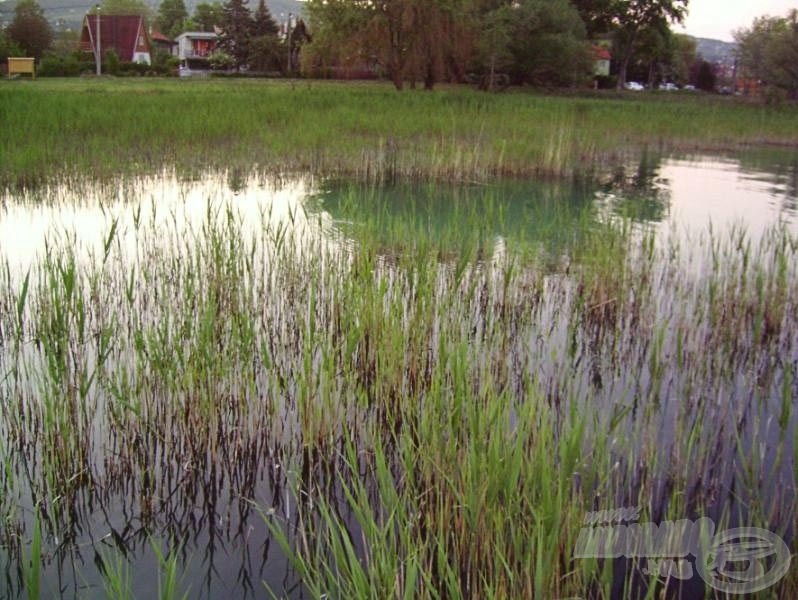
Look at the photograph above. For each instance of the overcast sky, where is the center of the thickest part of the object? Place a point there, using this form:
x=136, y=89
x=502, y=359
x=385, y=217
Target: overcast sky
x=719, y=18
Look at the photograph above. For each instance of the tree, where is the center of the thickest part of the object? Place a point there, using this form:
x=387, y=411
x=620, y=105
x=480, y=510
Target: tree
x=493, y=47
x=597, y=15
x=206, y=15
x=8, y=48
x=124, y=7
x=236, y=33
x=29, y=30
x=548, y=44
x=298, y=38
x=682, y=54
x=703, y=76
x=262, y=21
x=171, y=16
x=768, y=51
x=265, y=49
x=651, y=54
x=410, y=40
x=631, y=17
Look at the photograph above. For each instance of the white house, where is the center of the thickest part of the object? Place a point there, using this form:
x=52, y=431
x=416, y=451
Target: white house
x=194, y=48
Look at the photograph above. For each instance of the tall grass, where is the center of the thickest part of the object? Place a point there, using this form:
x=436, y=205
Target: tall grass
x=73, y=128
x=413, y=415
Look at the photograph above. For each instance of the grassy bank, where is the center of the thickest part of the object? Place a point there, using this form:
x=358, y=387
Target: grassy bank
x=87, y=127
x=427, y=423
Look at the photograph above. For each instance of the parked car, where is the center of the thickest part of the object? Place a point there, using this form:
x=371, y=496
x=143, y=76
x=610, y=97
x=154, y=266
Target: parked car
x=634, y=86
x=668, y=87
x=689, y=88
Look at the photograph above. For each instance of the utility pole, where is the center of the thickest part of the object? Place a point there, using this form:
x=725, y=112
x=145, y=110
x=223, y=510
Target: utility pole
x=99, y=47
x=288, y=43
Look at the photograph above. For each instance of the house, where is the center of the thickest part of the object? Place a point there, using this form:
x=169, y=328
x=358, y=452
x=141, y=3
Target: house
x=162, y=43
x=601, y=60
x=194, y=48
x=124, y=34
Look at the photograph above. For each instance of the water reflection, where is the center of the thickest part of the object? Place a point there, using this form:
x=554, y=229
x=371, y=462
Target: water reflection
x=754, y=190
x=641, y=192
x=33, y=221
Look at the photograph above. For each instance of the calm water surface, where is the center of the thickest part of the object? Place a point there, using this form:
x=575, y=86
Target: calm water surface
x=686, y=195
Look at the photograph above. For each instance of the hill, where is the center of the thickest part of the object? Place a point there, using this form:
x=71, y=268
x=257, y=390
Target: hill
x=716, y=51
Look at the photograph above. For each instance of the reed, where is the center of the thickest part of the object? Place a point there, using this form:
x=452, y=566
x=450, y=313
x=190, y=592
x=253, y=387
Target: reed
x=414, y=411
x=88, y=129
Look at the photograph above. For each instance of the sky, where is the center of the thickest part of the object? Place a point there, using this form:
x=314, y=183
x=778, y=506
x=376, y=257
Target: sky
x=718, y=19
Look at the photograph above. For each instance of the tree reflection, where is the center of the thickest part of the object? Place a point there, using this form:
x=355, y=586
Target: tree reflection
x=639, y=193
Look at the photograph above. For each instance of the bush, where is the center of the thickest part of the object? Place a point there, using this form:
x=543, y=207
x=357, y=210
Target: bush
x=128, y=69
x=221, y=61
x=111, y=63
x=607, y=82
x=52, y=65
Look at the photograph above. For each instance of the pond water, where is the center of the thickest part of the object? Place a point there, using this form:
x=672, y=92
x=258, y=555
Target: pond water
x=686, y=194
x=140, y=481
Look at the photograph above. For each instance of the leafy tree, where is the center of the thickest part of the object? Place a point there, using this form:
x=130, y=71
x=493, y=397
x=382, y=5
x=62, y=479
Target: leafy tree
x=651, y=54
x=597, y=15
x=443, y=43
x=409, y=39
x=340, y=36
x=236, y=26
x=8, y=48
x=549, y=45
x=206, y=16
x=768, y=51
x=632, y=17
x=493, y=46
x=171, y=16
x=124, y=7
x=682, y=54
x=29, y=30
x=538, y=41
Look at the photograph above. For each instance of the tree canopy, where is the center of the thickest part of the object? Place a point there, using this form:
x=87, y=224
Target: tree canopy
x=251, y=39
x=633, y=18
x=172, y=15
x=768, y=51
x=29, y=30
x=207, y=16
x=124, y=7
x=543, y=42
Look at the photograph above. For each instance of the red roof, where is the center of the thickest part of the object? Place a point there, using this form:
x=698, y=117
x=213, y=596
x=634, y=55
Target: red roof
x=118, y=32
x=157, y=36
x=600, y=53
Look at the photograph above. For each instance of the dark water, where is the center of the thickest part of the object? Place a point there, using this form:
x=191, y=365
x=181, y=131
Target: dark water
x=214, y=509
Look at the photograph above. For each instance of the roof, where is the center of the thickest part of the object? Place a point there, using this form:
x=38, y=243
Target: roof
x=117, y=32
x=600, y=53
x=198, y=35
x=157, y=36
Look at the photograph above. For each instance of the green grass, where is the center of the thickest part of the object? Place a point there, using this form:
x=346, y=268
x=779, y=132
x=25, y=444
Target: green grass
x=87, y=128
